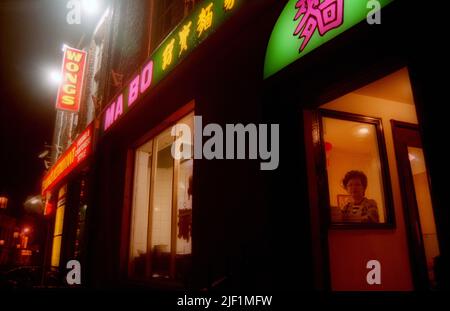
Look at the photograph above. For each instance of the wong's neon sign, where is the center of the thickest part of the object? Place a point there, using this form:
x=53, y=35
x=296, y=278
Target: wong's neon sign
x=72, y=72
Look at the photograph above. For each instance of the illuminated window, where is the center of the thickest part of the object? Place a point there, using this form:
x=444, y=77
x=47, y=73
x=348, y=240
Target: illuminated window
x=165, y=16
x=355, y=168
x=3, y=202
x=161, y=232
x=58, y=230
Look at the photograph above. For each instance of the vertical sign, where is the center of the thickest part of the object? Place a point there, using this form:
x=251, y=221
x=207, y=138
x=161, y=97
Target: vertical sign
x=72, y=72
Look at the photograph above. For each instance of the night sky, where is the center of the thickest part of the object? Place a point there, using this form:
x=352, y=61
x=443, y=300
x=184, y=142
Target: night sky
x=32, y=33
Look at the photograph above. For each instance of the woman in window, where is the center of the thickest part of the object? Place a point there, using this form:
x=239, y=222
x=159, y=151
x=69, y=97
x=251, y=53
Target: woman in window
x=359, y=208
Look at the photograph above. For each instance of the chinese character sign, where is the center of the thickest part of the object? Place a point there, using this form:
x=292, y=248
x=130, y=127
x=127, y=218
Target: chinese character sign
x=205, y=19
x=183, y=36
x=313, y=14
x=189, y=34
x=305, y=25
x=228, y=4
x=167, y=54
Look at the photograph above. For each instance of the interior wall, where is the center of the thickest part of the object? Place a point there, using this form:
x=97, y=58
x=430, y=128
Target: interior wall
x=427, y=223
x=350, y=250
x=140, y=205
x=344, y=161
x=162, y=208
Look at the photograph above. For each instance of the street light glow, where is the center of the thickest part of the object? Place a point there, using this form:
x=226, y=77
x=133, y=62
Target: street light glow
x=54, y=77
x=90, y=6
x=34, y=201
x=34, y=204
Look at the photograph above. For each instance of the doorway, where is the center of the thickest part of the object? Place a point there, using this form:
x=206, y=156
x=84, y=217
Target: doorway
x=417, y=203
x=352, y=138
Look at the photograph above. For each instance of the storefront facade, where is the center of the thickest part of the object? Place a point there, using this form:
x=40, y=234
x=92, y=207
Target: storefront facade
x=66, y=189
x=359, y=104
x=356, y=102
x=207, y=241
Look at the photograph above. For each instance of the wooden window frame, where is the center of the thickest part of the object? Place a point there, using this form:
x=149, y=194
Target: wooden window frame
x=153, y=135
x=384, y=165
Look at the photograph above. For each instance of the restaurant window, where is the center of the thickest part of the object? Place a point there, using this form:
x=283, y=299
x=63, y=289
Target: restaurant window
x=356, y=168
x=165, y=16
x=161, y=228
x=58, y=230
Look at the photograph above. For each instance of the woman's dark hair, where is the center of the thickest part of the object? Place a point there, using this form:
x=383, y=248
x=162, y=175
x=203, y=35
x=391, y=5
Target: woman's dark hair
x=355, y=174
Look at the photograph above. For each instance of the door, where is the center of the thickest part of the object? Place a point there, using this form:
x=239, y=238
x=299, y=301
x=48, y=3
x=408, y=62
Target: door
x=417, y=203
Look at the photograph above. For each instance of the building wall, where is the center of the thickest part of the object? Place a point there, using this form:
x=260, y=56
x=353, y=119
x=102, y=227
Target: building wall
x=128, y=44
x=231, y=237
x=250, y=228
x=429, y=91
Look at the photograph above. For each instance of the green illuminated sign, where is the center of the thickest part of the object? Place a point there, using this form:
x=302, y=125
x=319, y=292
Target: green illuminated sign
x=190, y=33
x=304, y=25
x=193, y=30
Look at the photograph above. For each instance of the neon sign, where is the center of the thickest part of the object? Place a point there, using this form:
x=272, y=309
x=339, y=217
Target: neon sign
x=193, y=30
x=138, y=85
x=72, y=72
x=304, y=25
x=313, y=15
x=77, y=152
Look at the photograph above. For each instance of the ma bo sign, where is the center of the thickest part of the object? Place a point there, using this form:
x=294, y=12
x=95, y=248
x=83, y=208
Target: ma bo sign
x=138, y=85
x=191, y=31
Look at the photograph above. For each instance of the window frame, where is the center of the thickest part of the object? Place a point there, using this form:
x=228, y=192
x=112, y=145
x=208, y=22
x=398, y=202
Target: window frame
x=152, y=135
x=384, y=168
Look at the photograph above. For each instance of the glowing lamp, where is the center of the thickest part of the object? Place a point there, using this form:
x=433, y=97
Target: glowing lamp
x=3, y=202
